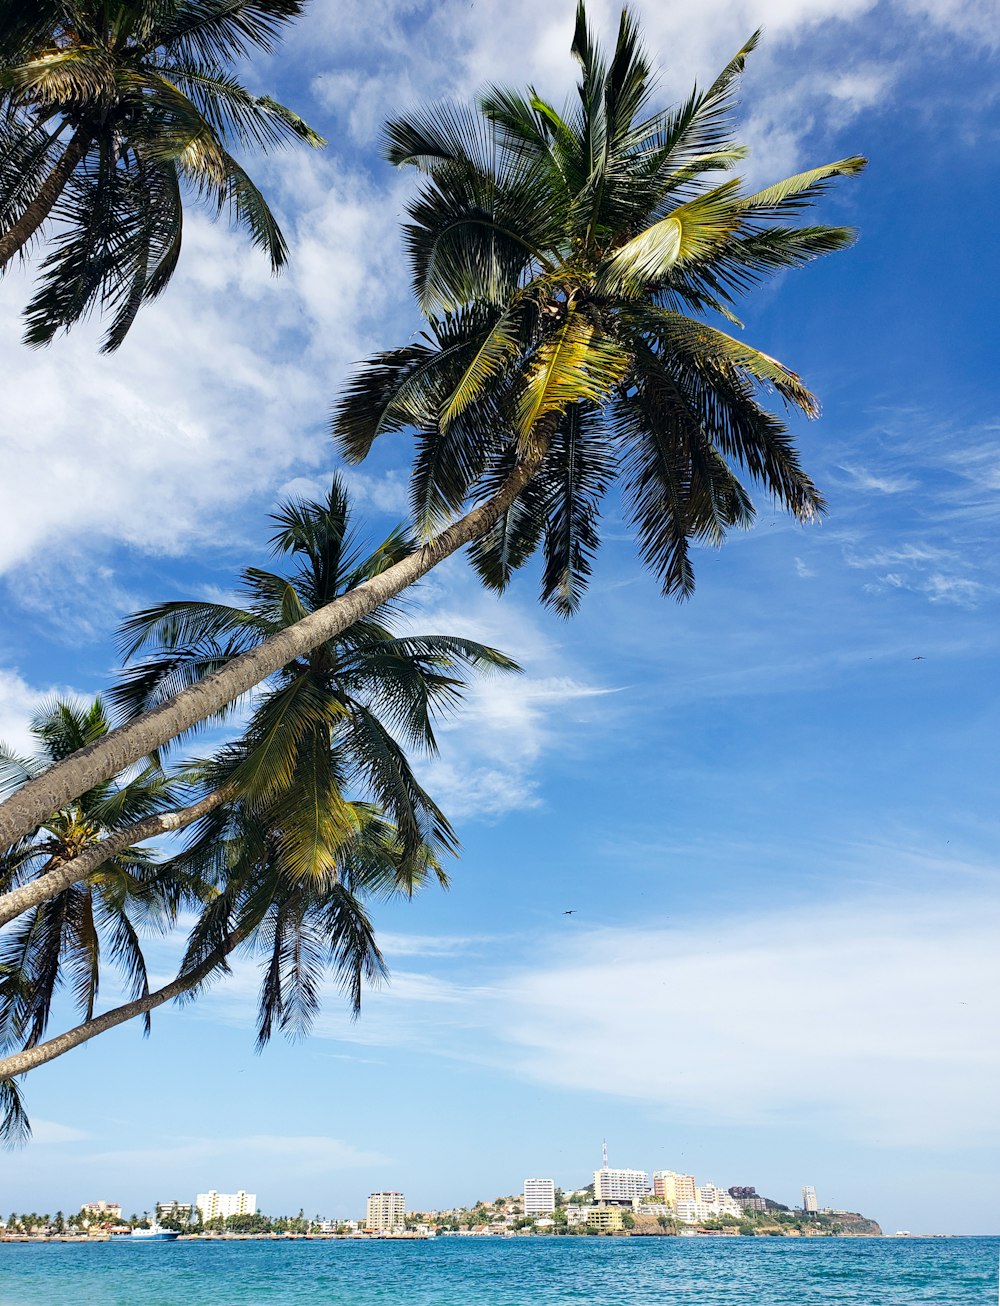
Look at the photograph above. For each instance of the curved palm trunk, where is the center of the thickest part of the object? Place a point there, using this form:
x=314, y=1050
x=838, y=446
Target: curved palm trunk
x=62, y=875
x=14, y=240
x=99, y=761
x=21, y=1062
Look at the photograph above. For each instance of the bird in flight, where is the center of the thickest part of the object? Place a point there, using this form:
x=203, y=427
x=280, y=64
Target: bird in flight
x=571, y=912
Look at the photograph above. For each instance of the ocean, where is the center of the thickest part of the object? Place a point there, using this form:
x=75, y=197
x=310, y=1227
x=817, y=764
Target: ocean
x=507, y=1272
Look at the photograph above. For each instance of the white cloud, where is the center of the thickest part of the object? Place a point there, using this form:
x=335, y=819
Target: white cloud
x=298, y=1154
x=876, y=1016
x=863, y=479
x=387, y=492
x=18, y=703
x=218, y=393
x=873, y=1015
x=48, y=1131
x=432, y=945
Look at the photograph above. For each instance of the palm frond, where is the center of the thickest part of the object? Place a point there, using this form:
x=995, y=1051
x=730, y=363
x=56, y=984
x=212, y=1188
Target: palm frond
x=580, y=466
x=15, y=1127
x=801, y=190
x=216, y=30
x=576, y=364
x=691, y=231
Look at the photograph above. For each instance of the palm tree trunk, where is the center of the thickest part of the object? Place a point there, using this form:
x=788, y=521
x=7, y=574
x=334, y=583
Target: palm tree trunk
x=14, y=240
x=21, y=1062
x=63, y=874
x=25, y=809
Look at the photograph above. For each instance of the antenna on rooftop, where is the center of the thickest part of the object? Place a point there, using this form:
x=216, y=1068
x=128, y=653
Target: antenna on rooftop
x=604, y=1151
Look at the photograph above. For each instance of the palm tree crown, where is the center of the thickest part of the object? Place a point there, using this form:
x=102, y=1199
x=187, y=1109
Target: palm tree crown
x=566, y=262
x=69, y=933
x=325, y=809
x=109, y=111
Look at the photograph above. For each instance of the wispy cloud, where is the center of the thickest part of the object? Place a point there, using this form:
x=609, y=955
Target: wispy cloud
x=48, y=1131
x=433, y=945
x=863, y=479
x=298, y=1154
x=854, y=1014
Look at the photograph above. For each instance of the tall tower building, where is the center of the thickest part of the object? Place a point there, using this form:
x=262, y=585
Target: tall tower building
x=386, y=1211
x=539, y=1196
x=809, y=1202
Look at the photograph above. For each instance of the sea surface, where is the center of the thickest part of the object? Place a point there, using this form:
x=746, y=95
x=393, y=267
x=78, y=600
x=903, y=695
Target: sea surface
x=507, y=1272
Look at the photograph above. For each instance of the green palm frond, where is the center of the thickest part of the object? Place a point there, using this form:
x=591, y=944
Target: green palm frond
x=581, y=464
x=233, y=113
x=491, y=360
x=697, y=342
x=516, y=534
x=154, y=108
x=216, y=30
x=15, y=1128
x=801, y=190
x=354, y=954
x=370, y=405
x=188, y=623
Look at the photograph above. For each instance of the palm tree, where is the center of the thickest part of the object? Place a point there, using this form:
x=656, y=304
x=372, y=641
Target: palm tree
x=109, y=111
x=565, y=263
x=325, y=722
x=568, y=263
x=285, y=854
x=64, y=938
x=316, y=807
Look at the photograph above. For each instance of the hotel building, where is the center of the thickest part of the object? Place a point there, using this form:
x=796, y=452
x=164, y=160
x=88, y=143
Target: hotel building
x=220, y=1206
x=539, y=1196
x=619, y=1185
x=809, y=1202
x=386, y=1211
x=671, y=1187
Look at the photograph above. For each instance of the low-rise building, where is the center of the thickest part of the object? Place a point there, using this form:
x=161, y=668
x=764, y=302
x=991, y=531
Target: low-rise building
x=174, y=1210
x=101, y=1210
x=606, y=1219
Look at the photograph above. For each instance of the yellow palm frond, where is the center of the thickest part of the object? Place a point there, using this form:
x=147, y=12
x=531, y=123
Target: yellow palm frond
x=576, y=365
x=692, y=230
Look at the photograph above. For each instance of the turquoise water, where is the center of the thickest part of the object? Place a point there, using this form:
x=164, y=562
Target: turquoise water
x=507, y=1272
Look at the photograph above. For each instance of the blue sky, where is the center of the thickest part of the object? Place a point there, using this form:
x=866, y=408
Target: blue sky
x=772, y=809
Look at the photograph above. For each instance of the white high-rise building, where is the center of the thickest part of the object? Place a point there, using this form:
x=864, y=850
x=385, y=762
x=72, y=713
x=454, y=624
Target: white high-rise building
x=386, y=1211
x=539, y=1196
x=809, y=1202
x=619, y=1185
x=213, y=1205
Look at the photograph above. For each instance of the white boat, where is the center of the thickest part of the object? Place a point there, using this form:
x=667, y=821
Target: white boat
x=154, y=1234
